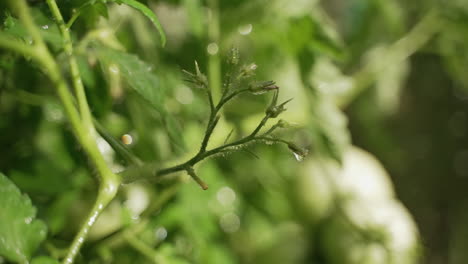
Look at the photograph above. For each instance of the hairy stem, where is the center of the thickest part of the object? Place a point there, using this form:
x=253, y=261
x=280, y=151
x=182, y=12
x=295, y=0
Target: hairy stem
x=109, y=181
x=75, y=72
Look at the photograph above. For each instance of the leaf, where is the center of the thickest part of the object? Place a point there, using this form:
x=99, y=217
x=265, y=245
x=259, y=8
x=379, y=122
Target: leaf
x=136, y=72
x=20, y=233
x=48, y=29
x=148, y=13
x=329, y=129
x=329, y=125
x=44, y=260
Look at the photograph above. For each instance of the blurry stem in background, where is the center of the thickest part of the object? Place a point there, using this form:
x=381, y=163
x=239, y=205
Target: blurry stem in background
x=214, y=61
x=409, y=44
x=118, y=238
x=38, y=51
x=117, y=145
x=145, y=249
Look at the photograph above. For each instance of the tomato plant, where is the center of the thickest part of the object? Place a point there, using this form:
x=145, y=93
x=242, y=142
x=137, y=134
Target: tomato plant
x=205, y=131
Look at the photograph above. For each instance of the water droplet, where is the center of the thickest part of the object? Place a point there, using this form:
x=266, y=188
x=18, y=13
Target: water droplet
x=260, y=92
x=28, y=220
x=298, y=156
x=299, y=153
x=184, y=95
x=212, y=48
x=229, y=222
x=127, y=139
x=114, y=68
x=45, y=27
x=135, y=217
x=226, y=196
x=160, y=233
x=245, y=29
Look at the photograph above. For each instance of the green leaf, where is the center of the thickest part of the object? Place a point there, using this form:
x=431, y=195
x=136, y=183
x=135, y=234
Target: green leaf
x=44, y=260
x=148, y=13
x=48, y=29
x=329, y=125
x=329, y=129
x=136, y=73
x=20, y=233
x=101, y=9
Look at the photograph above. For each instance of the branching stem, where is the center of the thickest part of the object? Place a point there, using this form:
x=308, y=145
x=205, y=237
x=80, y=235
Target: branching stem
x=81, y=125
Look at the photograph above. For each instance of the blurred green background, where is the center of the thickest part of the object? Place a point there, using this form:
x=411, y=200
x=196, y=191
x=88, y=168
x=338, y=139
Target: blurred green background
x=388, y=77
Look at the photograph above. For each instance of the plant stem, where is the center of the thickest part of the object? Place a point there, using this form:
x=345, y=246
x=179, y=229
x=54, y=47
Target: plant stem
x=214, y=61
x=144, y=249
x=109, y=181
x=75, y=72
x=406, y=46
x=117, y=145
x=7, y=42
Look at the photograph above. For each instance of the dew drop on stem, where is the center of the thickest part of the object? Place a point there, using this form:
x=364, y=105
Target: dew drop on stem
x=298, y=156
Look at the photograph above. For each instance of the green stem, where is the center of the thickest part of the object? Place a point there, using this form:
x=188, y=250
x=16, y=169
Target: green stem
x=109, y=181
x=214, y=61
x=398, y=52
x=75, y=72
x=144, y=249
x=117, y=145
x=8, y=42
x=77, y=13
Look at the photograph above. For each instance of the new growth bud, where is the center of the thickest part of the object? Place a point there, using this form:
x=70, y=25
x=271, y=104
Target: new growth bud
x=233, y=58
x=262, y=87
x=274, y=110
x=198, y=80
x=248, y=70
x=283, y=124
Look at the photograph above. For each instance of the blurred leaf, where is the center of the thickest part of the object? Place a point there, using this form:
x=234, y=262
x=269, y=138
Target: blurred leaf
x=44, y=260
x=90, y=12
x=20, y=232
x=148, y=13
x=452, y=43
x=389, y=85
x=330, y=136
x=329, y=124
x=136, y=72
x=48, y=29
x=101, y=9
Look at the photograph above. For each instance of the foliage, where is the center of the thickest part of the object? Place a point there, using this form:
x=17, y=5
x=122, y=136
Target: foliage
x=21, y=233
x=102, y=129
